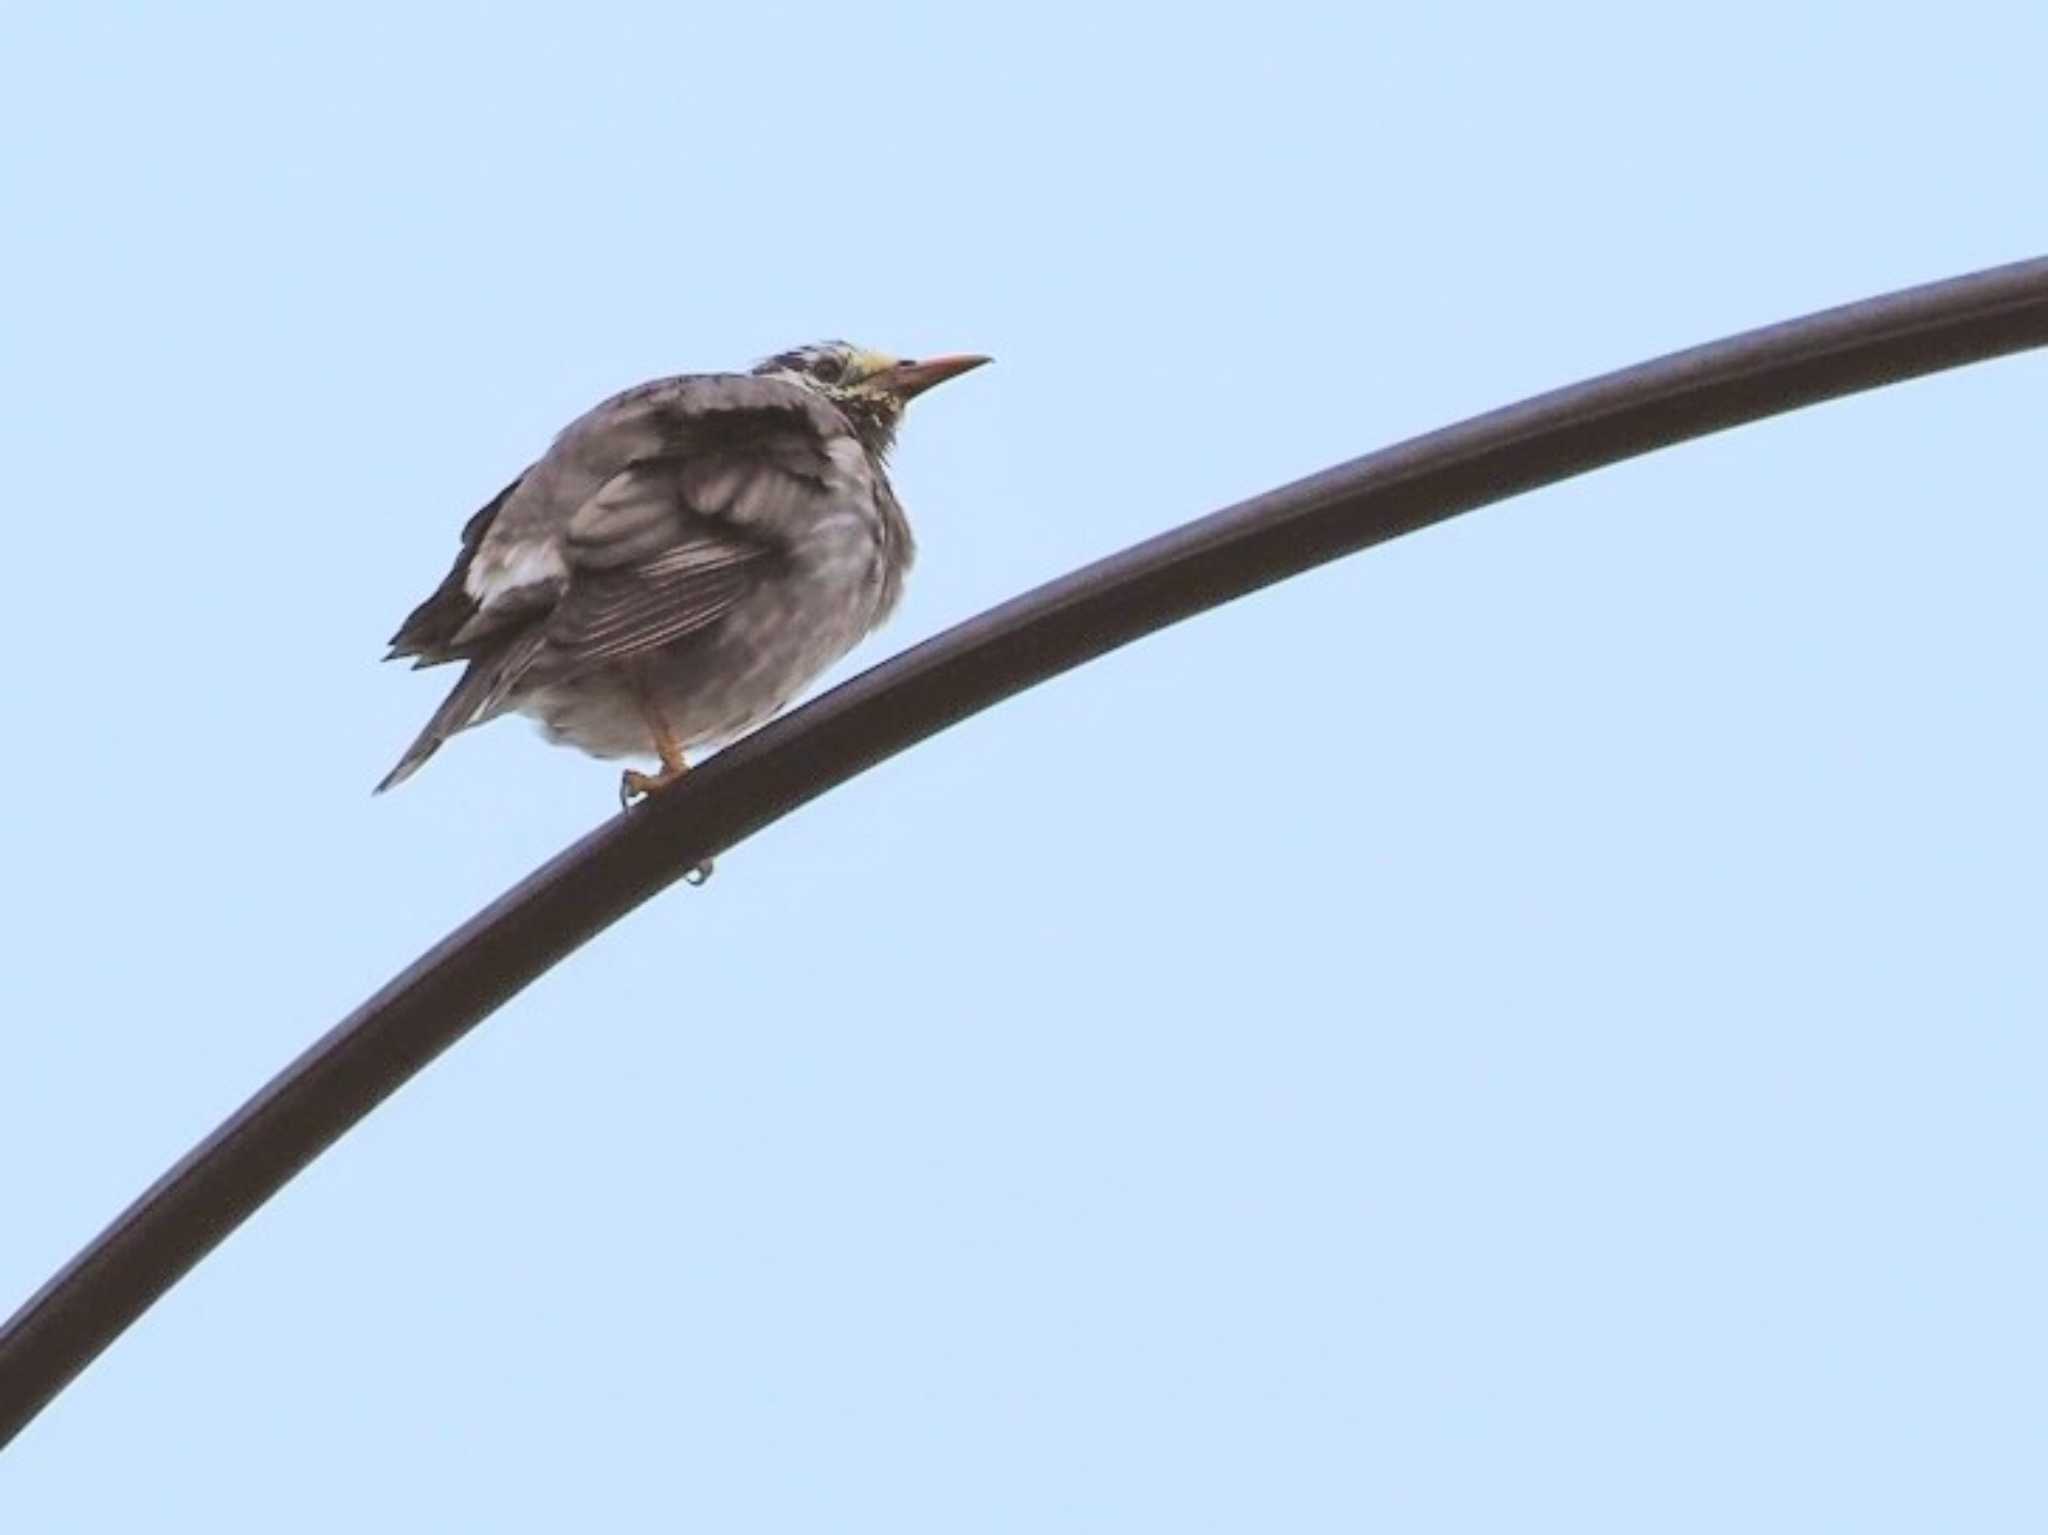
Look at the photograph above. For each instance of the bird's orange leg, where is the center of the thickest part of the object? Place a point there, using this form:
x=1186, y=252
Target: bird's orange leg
x=634, y=785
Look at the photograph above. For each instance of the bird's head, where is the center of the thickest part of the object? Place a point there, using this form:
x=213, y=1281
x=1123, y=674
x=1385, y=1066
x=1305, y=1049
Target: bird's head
x=869, y=388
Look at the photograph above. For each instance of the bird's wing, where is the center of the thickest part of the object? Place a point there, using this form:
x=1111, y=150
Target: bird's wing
x=659, y=553
x=735, y=456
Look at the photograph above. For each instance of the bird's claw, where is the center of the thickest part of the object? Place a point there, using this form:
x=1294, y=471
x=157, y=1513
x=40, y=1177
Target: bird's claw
x=635, y=786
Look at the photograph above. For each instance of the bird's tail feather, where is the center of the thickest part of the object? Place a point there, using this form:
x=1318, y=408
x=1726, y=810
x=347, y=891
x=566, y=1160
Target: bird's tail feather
x=414, y=759
x=478, y=696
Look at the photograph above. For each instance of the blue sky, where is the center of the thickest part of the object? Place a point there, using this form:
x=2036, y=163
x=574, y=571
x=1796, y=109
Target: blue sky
x=1597, y=1086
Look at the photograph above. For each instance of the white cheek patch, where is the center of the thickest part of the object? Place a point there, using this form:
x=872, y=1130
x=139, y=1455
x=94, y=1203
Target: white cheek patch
x=495, y=572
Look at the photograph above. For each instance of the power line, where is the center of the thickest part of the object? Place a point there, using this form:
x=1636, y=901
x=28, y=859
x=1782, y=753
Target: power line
x=791, y=761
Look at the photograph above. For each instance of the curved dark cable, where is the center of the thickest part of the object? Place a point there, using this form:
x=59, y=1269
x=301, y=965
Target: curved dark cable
x=1039, y=635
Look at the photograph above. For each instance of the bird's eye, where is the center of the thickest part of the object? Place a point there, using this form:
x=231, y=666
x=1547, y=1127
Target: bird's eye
x=828, y=367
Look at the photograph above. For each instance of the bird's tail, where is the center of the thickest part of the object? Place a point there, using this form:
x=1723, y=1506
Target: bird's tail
x=478, y=696
x=414, y=759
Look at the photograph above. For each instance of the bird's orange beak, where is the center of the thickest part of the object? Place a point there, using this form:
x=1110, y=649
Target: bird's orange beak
x=907, y=380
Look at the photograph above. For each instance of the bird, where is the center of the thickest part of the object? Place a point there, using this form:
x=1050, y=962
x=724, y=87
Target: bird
x=680, y=562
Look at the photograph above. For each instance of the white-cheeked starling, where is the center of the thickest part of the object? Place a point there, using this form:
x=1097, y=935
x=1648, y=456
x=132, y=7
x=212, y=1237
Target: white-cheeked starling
x=681, y=562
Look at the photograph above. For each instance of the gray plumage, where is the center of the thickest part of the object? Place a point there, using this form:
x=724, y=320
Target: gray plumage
x=682, y=560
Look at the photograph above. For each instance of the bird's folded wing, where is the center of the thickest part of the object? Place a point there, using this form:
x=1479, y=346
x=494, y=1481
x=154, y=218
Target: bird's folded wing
x=671, y=545
x=730, y=466
x=636, y=568
x=649, y=561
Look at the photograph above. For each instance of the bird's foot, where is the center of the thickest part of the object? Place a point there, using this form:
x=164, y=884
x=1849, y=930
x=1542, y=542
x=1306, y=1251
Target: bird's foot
x=634, y=787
